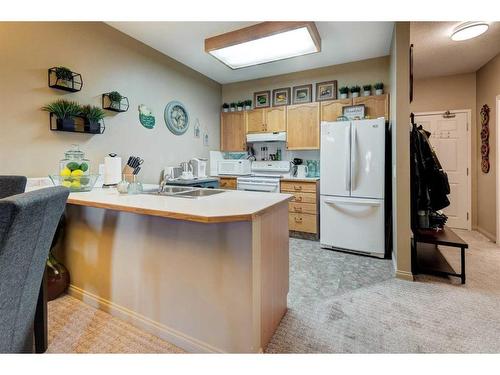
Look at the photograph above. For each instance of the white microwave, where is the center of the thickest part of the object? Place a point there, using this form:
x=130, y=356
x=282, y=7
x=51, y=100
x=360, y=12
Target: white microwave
x=234, y=167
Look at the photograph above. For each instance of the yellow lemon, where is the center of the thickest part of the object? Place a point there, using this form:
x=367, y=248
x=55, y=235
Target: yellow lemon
x=76, y=173
x=65, y=172
x=66, y=184
x=75, y=184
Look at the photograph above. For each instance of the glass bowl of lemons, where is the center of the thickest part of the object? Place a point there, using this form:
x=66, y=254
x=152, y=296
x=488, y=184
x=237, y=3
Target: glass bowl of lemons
x=75, y=182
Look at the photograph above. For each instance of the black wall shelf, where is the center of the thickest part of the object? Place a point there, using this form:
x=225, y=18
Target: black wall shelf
x=80, y=125
x=109, y=105
x=75, y=84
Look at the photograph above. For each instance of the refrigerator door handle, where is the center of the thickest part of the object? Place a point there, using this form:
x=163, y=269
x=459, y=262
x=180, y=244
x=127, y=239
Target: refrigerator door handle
x=354, y=159
x=355, y=202
x=347, y=167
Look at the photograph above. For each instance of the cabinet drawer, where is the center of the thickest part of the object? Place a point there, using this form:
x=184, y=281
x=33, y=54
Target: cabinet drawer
x=302, y=222
x=298, y=186
x=303, y=197
x=227, y=183
x=305, y=208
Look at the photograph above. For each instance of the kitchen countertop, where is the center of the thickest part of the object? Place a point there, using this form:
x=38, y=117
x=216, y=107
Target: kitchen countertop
x=181, y=182
x=232, y=205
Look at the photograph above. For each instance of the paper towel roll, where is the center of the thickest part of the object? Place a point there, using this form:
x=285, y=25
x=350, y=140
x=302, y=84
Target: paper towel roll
x=112, y=170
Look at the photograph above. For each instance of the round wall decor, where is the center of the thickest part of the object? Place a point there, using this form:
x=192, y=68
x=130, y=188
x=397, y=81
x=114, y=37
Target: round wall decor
x=176, y=117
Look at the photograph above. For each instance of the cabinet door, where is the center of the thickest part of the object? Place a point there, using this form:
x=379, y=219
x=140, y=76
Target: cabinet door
x=232, y=132
x=275, y=119
x=303, y=126
x=376, y=105
x=332, y=109
x=255, y=121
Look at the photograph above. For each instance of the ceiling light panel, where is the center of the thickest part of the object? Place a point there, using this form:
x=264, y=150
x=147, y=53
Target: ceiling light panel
x=469, y=30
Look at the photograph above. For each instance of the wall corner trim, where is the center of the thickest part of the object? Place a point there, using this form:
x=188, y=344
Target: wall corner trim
x=404, y=275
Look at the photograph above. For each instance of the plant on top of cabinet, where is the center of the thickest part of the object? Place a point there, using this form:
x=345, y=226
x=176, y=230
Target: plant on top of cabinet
x=344, y=91
x=239, y=106
x=65, y=112
x=379, y=88
x=248, y=104
x=92, y=117
x=232, y=106
x=63, y=78
x=114, y=101
x=225, y=107
x=355, y=91
x=367, y=90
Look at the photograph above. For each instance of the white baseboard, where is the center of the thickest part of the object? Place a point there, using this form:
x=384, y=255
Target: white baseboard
x=168, y=334
x=404, y=275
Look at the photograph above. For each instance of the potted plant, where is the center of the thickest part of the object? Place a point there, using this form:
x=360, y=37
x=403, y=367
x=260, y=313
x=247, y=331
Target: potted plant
x=367, y=90
x=355, y=91
x=225, y=107
x=65, y=111
x=344, y=91
x=379, y=88
x=115, y=98
x=239, y=106
x=64, y=76
x=92, y=116
x=248, y=105
x=232, y=106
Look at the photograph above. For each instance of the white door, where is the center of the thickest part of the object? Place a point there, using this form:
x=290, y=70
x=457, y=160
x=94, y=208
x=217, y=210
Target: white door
x=368, y=158
x=335, y=158
x=352, y=224
x=450, y=140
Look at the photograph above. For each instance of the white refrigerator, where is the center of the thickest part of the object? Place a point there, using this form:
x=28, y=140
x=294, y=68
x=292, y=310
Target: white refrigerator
x=352, y=186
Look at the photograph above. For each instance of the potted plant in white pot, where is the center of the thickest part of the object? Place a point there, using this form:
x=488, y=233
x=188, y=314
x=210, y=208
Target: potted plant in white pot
x=92, y=116
x=239, y=106
x=232, y=107
x=248, y=105
x=65, y=111
x=355, y=91
x=367, y=90
x=379, y=88
x=344, y=91
x=225, y=107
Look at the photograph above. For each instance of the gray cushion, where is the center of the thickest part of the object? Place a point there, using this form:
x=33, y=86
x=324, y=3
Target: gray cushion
x=11, y=185
x=27, y=225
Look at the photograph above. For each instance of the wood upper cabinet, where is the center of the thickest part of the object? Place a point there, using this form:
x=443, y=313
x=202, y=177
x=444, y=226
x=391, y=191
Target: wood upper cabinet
x=376, y=105
x=303, y=126
x=266, y=120
x=331, y=109
x=232, y=132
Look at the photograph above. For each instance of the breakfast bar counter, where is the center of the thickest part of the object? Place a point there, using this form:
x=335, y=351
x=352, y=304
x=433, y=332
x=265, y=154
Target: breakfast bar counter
x=208, y=274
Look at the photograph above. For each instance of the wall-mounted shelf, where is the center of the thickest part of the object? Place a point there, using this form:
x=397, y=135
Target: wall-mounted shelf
x=74, y=84
x=80, y=125
x=109, y=105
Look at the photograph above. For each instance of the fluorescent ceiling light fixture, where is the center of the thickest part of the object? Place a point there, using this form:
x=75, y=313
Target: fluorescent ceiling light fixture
x=468, y=30
x=264, y=42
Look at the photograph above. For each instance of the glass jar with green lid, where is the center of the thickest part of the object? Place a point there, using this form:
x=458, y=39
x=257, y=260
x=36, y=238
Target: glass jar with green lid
x=74, y=163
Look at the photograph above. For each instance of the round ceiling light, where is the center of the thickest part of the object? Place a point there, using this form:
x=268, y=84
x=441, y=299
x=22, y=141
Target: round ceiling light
x=468, y=30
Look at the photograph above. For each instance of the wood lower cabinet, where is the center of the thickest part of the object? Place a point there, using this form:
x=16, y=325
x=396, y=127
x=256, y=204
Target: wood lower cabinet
x=303, y=126
x=266, y=120
x=331, y=109
x=233, y=132
x=375, y=105
x=303, y=209
x=227, y=183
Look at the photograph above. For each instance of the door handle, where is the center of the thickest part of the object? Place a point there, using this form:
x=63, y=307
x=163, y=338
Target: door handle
x=297, y=209
x=355, y=202
x=354, y=160
x=298, y=199
x=347, y=166
x=295, y=187
x=298, y=220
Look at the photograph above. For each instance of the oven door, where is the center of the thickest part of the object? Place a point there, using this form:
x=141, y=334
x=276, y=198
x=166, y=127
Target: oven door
x=255, y=184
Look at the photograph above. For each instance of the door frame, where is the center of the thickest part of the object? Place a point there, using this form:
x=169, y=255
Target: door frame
x=497, y=167
x=468, y=112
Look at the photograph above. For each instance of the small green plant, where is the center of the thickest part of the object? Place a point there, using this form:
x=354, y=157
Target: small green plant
x=379, y=86
x=248, y=103
x=225, y=105
x=115, y=97
x=240, y=104
x=233, y=105
x=355, y=88
x=64, y=73
x=93, y=114
x=63, y=109
x=367, y=87
x=344, y=90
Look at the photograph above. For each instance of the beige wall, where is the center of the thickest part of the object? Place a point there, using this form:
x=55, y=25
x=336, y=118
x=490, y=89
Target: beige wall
x=487, y=88
x=359, y=72
x=400, y=112
x=108, y=60
x=448, y=93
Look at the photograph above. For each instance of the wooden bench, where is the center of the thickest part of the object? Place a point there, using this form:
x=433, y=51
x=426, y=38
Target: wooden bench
x=426, y=257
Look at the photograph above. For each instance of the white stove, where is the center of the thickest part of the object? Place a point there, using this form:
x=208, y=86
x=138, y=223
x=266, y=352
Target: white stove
x=266, y=176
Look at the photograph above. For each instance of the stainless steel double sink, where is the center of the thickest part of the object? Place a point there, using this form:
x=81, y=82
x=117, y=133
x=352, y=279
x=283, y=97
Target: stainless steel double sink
x=186, y=192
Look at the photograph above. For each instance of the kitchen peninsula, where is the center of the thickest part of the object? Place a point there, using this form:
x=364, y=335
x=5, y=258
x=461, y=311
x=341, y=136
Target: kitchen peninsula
x=208, y=274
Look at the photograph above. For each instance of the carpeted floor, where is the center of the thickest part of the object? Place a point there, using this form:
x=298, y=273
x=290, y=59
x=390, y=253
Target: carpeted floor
x=338, y=303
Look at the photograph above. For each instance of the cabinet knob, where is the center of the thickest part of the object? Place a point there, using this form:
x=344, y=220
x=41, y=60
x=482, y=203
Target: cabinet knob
x=298, y=220
x=298, y=199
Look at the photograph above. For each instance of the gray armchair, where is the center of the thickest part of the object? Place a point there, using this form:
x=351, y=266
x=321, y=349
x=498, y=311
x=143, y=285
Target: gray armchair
x=11, y=185
x=27, y=225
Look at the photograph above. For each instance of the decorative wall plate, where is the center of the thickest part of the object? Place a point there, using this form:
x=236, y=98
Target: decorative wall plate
x=146, y=117
x=176, y=117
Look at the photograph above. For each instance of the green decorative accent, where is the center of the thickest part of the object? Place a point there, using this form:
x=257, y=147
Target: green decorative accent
x=63, y=109
x=146, y=117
